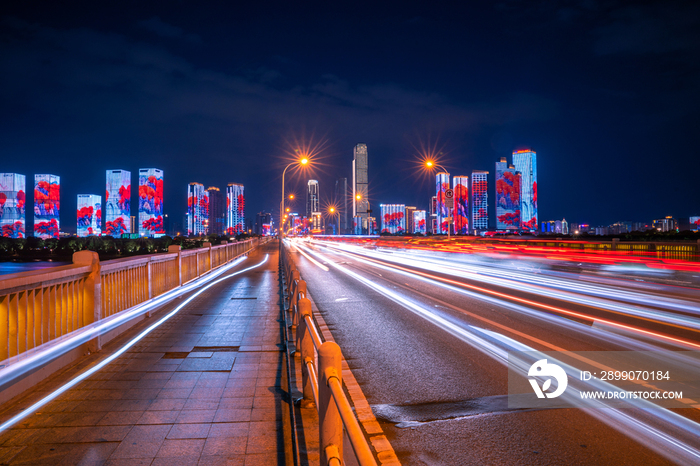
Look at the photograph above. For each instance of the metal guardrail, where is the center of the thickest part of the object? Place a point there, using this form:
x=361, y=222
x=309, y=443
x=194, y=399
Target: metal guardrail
x=322, y=381
x=41, y=306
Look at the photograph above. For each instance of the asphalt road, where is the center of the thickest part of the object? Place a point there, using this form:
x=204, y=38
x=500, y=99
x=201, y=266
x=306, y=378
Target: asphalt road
x=426, y=354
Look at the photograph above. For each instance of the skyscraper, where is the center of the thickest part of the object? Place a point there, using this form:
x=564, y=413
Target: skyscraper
x=47, y=206
x=525, y=162
x=197, y=209
x=89, y=215
x=419, y=222
x=360, y=203
x=480, y=204
x=151, y=202
x=393, y=218
x=508, y=186
x=117, y=209
x=409, y=219
x=461, y=204
x=442, y=184
x=341, y=199
x=313, y=209
x=235, y=209
x=217, y=211
x=13, y=206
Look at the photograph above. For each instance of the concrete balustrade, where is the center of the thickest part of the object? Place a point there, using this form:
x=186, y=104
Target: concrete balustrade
x=41, y=306
x=322, y=382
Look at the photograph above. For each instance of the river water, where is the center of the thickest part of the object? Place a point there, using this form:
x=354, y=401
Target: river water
x=16, y=267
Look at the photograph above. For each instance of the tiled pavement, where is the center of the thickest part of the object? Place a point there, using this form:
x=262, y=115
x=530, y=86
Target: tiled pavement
x=206, y=387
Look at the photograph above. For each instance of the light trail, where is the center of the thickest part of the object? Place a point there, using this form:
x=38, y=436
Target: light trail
x=670, y=339
x=39, y=356
x=658, y=440
x=79, y=378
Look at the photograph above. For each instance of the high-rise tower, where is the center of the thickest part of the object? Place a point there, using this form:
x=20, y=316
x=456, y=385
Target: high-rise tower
x=508, y=186
x=117, y=209
x=235, y=209
x=13, y=206
x=47, y=203
x=217, y=211
x=89, y=215
x=480, y=200
x=460, y=213
x=313, y=210
x=442, y=184
x=360, y=203
x=197, y=209
x=525, y=161
x=151, y=202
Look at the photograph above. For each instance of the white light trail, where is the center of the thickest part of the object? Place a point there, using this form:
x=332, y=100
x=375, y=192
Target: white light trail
x=652, y=437
x=67, y=386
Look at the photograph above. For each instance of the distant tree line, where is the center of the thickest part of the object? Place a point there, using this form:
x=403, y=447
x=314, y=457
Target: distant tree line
x=32, y=248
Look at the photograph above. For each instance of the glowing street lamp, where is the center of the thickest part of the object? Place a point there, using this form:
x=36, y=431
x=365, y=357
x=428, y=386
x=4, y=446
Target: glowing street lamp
x=430, y=164
x=302, y=162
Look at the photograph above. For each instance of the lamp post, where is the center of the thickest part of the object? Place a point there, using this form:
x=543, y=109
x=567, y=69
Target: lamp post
x=303, y=161
x=430, y=164
x=333, y=211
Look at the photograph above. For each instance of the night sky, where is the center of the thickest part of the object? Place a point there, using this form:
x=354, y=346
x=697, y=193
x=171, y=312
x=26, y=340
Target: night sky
x=606, y=93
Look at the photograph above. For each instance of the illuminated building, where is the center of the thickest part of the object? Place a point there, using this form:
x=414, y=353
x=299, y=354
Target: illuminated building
x=508, y=186
x=480, y=204
x=442, y=184
x=564, y=227
x=89, y=215
x=263, y=223
x=313, y=211
x=235, y=209
x=132, y=222
x=197, y=210
x=341, y=199
x=393, y=218
x=360, y=206
x=432, y=209
x=117, y=209
x=665, y=224
x=409, y=219
x=557, y=226
x=694, y=223
x=357, y=225
x=525, y=161
x=47, y=206
x=150, y=202
x=13, y=199
x=217, y=211
x=460, y=212
x=419, y=222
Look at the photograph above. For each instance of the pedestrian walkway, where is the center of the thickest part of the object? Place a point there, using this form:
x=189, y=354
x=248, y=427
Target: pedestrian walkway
x=206, y=387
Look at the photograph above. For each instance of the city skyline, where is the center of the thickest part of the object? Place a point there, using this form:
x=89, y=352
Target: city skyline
x=64, y=109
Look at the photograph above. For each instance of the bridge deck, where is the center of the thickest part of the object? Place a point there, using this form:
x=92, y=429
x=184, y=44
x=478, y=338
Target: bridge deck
x=205, y=387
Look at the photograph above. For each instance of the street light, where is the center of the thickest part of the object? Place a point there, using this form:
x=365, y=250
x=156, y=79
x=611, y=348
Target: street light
x=332, y=210
x=303, y=162
x=430, y=165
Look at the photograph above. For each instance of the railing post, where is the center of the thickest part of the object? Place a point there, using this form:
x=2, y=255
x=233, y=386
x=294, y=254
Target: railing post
x=208, y=245
x=299, y=292
x=330, y=423
x=305, y=347
x=92, y=295
x=178, y=249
